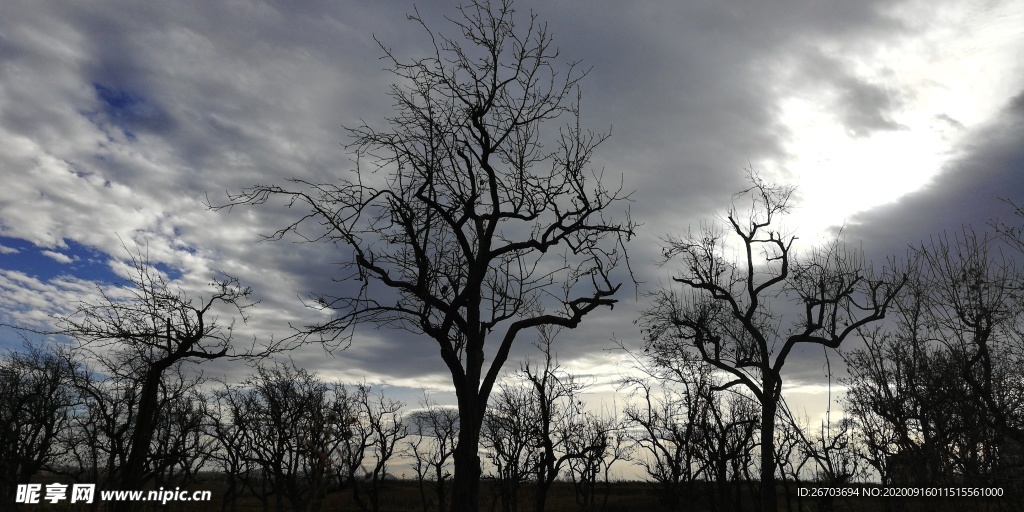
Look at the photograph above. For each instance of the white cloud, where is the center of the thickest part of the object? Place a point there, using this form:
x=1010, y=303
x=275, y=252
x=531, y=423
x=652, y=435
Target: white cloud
x=30, y=302
x=59, y=257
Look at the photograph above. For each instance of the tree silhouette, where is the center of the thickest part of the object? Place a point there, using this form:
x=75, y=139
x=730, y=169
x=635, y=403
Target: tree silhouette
x=146, y=327
x=938, y=393
x=731, y=313
x=438, y=427
x=467, y=219
x=37, y=399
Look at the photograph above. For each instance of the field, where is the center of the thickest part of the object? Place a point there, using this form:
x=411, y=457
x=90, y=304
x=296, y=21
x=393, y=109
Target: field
x=404, y=496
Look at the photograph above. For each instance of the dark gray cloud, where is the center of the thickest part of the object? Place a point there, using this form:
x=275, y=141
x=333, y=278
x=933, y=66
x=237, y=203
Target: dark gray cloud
x=972, y=190
x=862, y=106
x=120, y=118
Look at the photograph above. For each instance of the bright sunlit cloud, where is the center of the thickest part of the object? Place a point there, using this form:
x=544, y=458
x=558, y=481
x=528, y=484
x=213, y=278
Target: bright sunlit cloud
x=933, y=88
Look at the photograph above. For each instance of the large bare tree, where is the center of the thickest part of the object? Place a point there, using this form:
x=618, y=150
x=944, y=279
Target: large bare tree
x=734, y=313
x=472, y=215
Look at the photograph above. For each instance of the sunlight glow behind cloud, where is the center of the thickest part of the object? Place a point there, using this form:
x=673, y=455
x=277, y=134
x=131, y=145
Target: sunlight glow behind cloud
x=946, y=85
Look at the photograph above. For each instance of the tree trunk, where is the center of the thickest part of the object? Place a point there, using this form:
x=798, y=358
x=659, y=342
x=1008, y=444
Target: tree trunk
x=542, y=495
x=466, y=480
x=722, y=475
x=768, y=410
x=131, y=475
x=440, y=490
x=545, y=477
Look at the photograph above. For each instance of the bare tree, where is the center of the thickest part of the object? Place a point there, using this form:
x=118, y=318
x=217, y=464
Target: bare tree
x=37, y=398
x=384, y=422
x=149, y=325
x=597, y=442
x=731, y=312
x=475, y=219
x=664, y=430
x=537, y=424
x=510, y=441
x=230, y=431
x=837, y=455
x=97, y=442
x=834, y=450
x=901, y=389
x=300, y=437
x=975, y=300
x=790, y=458
x=560, y=434
x=436, y=429
x=938, y=394
x=181, y=445
x=690, y=430
x=728, y=437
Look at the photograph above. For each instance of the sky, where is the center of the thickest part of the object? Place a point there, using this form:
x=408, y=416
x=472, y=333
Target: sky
x=119, y=120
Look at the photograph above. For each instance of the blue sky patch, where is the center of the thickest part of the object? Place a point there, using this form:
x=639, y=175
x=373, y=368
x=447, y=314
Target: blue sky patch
x=45, y=264
x=130, y=111
x=75, y=260
x=121, y=103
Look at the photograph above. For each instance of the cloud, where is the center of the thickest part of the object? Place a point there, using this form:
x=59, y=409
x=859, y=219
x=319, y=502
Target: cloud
x=59, y=257
x=119, y=120
x=972, y=190
x=862, y=104
x=30, y=302
x=8, y=250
